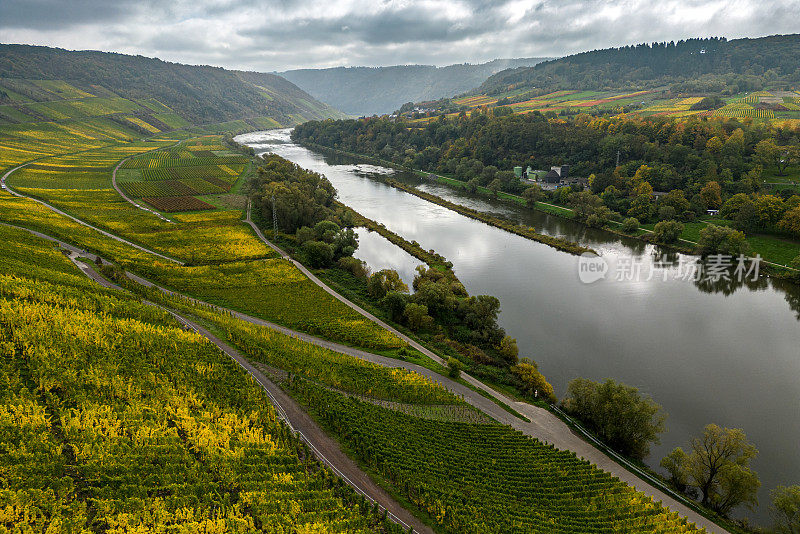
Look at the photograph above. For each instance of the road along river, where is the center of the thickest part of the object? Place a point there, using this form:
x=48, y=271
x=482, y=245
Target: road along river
x=707, y=352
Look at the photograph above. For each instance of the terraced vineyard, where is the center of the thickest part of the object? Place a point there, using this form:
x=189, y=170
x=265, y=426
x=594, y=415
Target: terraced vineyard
x=140, y=425
x=475, y=478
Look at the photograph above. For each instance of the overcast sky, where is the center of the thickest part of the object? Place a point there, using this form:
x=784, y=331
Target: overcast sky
x=284, y=34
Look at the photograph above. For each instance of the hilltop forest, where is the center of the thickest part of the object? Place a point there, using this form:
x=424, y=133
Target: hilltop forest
x=692, y=65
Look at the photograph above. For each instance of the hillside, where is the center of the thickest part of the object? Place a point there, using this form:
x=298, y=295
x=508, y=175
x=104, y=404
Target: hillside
x=199, y=94
x=693, y=65
x=375, y=90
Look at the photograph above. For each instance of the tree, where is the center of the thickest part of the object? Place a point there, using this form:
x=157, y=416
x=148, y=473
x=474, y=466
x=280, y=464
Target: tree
x=532, y=195
x=790, y=223
x=495, y=186
x=770, y=209
x=318, y=253
x=722, y=240
x=733, y=205
x=584, y=203
x=786, y=509
x=508, y=349
x=667, y=231
x=767, y=152
x=304, y=234
x=626, y=420
x=630, y=225
x=453, y=367
x=641, y=208
x=417, y=317
x=666, y=213
x=385, y=281
x=747, y=218
x=533, y=381
x=711, y=193
x=718, y=465
x=395, y=303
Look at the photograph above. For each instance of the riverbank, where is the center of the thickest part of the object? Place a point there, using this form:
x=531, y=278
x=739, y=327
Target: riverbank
x=769, y=264
x=526, y=232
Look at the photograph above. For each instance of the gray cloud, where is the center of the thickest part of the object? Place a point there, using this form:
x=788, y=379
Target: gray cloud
x=282, y=34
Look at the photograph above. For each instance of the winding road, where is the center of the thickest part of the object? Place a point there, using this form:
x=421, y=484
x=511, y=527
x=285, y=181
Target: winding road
x=543, y=425
x=7, y=188
x=325, y=448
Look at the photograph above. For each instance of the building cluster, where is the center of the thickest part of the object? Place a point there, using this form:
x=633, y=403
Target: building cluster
x=557, y=176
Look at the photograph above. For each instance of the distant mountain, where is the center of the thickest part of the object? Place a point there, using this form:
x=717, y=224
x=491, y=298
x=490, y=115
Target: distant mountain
x=201, y=94
x=708, y=65
x=375, y=90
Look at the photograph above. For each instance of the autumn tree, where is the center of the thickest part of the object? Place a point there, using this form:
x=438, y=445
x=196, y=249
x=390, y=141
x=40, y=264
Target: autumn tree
x=667, y=231
x=721, y=240
x=385, y=281
x=532, y=195
x=533, y=381
x=790, y=223
x=785, y=509
x=718, y=465
x=711, y=193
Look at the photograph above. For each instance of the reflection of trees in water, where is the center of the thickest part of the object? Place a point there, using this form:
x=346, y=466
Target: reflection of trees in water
x=792, y=290
x=663, y=257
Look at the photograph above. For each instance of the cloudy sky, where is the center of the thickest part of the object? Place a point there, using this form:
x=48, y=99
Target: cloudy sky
x=269, y=35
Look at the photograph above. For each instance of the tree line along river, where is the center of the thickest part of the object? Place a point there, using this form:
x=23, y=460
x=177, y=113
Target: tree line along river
x=706, y=351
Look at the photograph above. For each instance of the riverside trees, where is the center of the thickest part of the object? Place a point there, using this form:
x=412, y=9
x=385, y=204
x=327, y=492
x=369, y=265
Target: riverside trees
x=626, y=420
x=718, y=466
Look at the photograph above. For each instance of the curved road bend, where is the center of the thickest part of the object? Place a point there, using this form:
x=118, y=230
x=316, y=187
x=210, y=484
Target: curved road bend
x=5, y=187
x=543, y=424
x=325, y=448
x=126, y=197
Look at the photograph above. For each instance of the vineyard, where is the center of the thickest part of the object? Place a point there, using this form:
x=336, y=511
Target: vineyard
x=170, y=204
x=142, y=426
x=742, y=110
x=485, y=478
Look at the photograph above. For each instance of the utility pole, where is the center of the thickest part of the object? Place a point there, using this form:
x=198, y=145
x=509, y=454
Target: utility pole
x=617, y=158
x=274, y=219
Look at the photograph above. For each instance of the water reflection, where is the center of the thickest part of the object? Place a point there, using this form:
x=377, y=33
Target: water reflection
x=380, y=253
x=708, y=352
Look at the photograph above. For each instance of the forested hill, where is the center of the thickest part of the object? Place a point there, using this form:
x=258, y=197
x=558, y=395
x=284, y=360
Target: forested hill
x=201, y=94
x=375, y=90
x=706, y=65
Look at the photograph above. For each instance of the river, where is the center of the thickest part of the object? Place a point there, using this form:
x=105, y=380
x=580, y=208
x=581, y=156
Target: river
x=707, y=352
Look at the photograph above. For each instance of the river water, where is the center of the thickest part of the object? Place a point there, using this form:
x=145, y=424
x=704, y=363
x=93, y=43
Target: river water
x=707, y=352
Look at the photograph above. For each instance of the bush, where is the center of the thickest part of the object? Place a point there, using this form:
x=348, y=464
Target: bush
x=630, y=225
x=453, y=367
x=533, y=381
x=667, y=231
x=318, y=254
